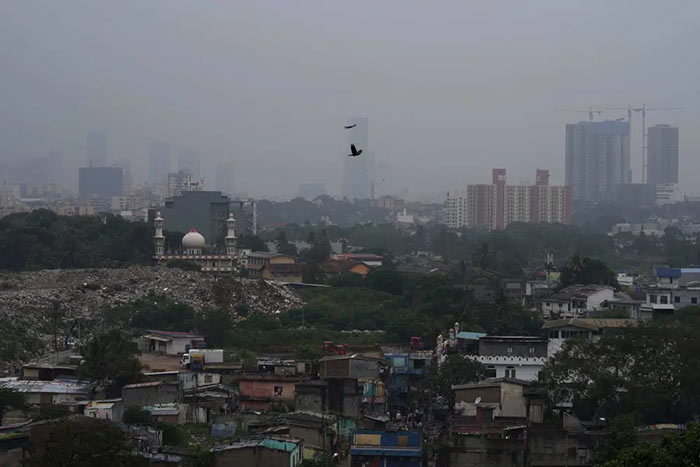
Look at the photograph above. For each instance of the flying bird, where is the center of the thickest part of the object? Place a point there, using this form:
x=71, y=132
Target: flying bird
x=347, y=127
x=354, y=151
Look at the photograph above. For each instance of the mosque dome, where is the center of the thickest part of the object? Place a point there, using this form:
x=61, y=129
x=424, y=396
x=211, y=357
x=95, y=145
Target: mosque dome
x=193, y=240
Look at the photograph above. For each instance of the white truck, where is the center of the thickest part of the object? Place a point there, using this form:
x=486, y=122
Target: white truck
x=199, y=359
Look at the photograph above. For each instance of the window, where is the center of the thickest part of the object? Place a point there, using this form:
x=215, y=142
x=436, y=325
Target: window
x=694, y=300
x=663, y=299
x=490, y=371
x=546, y=303
x=531, y=351
x=676, y=299
x=509, y=350
x=278, y=390
x=652, y=299
x=510, y=372
x=208, y=378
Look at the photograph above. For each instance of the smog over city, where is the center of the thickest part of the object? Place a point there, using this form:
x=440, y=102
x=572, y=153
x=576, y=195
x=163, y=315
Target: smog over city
x=315, y=233
x=449, y=89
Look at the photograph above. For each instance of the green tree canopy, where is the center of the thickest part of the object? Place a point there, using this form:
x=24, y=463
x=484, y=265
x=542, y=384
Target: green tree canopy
x=10, y=399
x=86, y=442
x=675, y=450
x=578, y=270
x=111, y=360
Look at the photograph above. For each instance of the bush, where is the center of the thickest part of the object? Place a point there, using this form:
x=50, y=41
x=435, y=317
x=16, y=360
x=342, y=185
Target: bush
x=137, y=416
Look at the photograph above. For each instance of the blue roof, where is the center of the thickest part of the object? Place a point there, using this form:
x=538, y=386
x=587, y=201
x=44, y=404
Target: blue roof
x=668, y=272
x=472, y=336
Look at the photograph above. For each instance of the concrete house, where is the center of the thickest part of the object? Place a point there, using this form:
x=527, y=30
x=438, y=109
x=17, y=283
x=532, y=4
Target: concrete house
x=256, y=260
x=576, y=301
x=154, y=392
x=172, y=342
x=377, y=447
x=283, y=272
x=261, y=391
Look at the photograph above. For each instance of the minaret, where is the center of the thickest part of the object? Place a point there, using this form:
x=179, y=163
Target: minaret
x=231, y=235
x=158, y=238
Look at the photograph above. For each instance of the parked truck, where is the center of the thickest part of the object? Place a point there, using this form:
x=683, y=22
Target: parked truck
x=199, y=359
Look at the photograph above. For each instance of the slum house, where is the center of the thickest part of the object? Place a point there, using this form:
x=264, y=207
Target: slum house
x=349, y=378
x=154, y=392
x=266, y=452
x=172, y=342
x=262, y=391
x=387, y=449
x=310, y=428
x=187, y=379
x=105, y=409
x=49, y=392
x=407, y=367
x=49, y=371
x=489, y=423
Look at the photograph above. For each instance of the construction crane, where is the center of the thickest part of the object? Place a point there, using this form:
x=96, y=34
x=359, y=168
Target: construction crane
x=643, y=109
x=590, y=111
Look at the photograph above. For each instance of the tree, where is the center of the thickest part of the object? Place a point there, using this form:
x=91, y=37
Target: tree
x=215, y=324
x=111, y=360
x=251, y=242
x=482, y=256
x=86, y=442
x=578, y=270
x=283, y=245
x=650, y=370
x=457, y=369
x=9, y=399
x=679, y=449
x=137, y=416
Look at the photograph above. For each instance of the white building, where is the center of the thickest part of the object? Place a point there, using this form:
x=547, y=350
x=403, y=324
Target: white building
x=503, y=366
x=668, y=193
x=577, y=301
x=559, y=330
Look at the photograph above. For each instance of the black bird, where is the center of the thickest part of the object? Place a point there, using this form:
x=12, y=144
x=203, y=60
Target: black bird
x=354, y=151
x=350, y=126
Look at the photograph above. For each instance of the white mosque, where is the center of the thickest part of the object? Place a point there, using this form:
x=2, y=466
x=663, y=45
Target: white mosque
x=194, y=248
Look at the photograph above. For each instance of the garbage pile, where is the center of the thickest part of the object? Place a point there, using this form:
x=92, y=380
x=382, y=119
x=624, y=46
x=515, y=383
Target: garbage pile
x=34, y=301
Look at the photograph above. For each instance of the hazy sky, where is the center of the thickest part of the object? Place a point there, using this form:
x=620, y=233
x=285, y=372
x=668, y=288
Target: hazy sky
x=451, y=88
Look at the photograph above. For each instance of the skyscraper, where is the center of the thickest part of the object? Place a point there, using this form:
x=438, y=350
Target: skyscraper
x=189, y=161
x=225, y=177
x=662, y=155
x=96, y=152
x=101, y=182
x=358, y=172
x=158, y=162
x=597, y=158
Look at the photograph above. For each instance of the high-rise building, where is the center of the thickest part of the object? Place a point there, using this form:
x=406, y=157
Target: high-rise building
x=205, y=211
x=358, y=172
x=597, y=159
x=662, y=155
x=225, y=177
x=181, y=181
x=100, y=182
x=158, y=162
x=189, y=161
x=96, y=152
x=497, y=205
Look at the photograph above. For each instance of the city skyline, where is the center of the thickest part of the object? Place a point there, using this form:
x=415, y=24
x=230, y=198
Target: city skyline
x=446, y=89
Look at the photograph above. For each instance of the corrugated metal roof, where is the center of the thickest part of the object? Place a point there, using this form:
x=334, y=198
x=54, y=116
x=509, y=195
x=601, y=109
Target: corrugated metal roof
x=53, y=387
